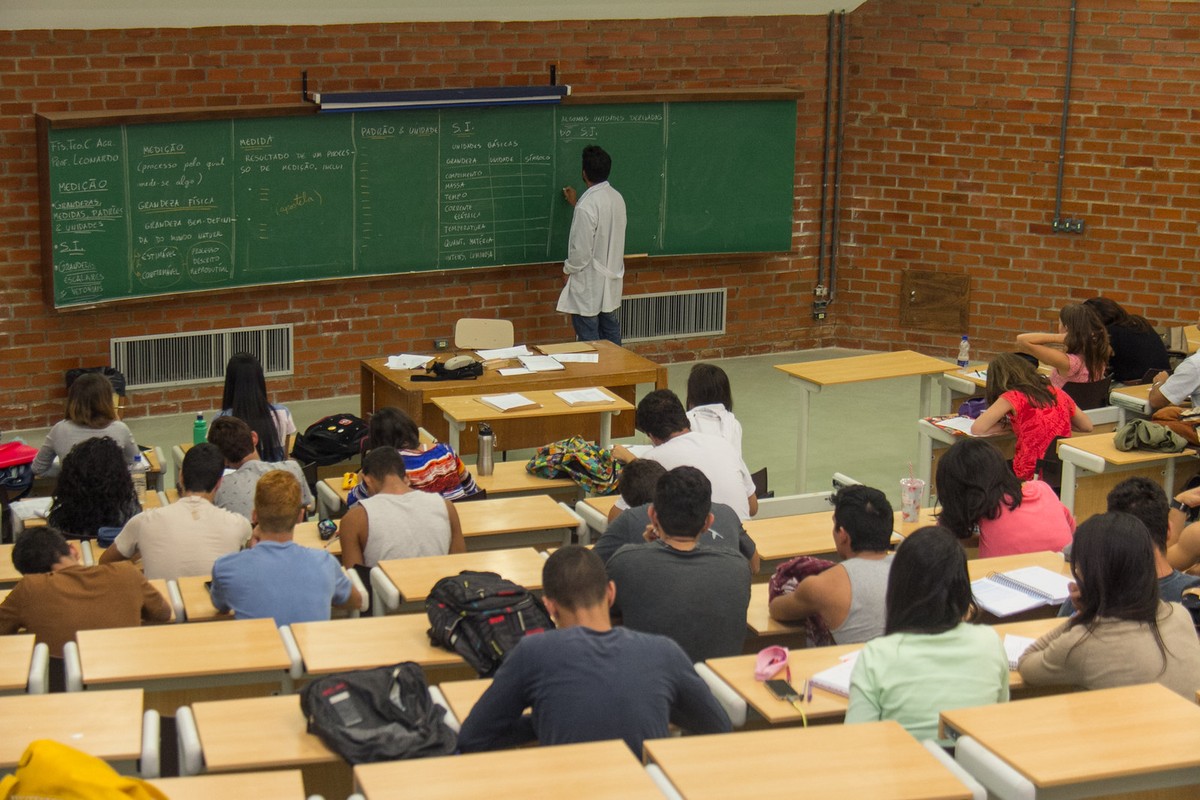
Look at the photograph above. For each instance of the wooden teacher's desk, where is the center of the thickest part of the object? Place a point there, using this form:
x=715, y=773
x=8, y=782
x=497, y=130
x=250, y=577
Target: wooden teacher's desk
x=1106, y=742
x=879, y=760
x=617, y=369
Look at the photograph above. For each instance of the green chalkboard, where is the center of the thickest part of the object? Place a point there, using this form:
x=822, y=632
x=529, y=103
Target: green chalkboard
x=148, y=207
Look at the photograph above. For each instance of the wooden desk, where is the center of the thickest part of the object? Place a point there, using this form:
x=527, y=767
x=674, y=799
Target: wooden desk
x=879, y=760
x=307, y=535
x=366, y=642
x=414, y=577
x=171, y=656
x=812, y=376
x=481, y=519
x=934, y=440
x=982, y=567
x=8, y=573
x=197, y=603
x=16, y=656
x=582, y=771
x=1092, y=466
x=1085, y=744
x=152, y=501
x=618, y=370
x=461, y=696
x=257, y=733
x=758, y=617
x=551, y=413
x=281, y=784
x=781, y=538
x=1131, y=399
x=107, y=725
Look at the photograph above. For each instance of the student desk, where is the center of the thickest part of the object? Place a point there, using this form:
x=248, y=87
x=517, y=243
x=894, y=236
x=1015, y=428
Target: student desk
x=281, y=784
x=1084, y=744
x=8, y=573
x=813, y=376
x=197, y=603
x=618, y=370
x=468, y=410
x=780, y=538
x=758, y=619
x=409, y=580
x=483, y=520
x=366, y=642
x=590, y=771
x=933, y=440
x=306, y=534
x=461, y=696
x=982, y=567
x=1131, y=399
x=23, y=666
x=107, y=725
x=153, y=500
x=1092, y=466
x=879, y=760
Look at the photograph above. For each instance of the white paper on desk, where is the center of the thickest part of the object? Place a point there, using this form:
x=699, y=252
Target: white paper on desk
x=575, y=397
x=1015, y=647
x=508, y=372
x=639, y=450
x=577, y=358
x=540, y=363
x=33, y=508
x=408, y=361
x=503, y=352
x=960, y=424
x=837, y=679
x=977, y=374
x=507, y=402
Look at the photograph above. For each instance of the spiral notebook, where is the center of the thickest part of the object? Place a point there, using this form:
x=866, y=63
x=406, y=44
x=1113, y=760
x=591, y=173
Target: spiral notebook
x=836, y=679
x=1008, y=593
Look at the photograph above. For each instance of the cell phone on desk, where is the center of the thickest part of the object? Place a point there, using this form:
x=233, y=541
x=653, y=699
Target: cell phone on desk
x=782, y=690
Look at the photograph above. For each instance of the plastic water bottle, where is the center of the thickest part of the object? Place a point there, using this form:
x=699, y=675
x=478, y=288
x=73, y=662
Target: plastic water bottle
x=964, y=352
x=138, y=471
x=487, y=446
x=199, y=430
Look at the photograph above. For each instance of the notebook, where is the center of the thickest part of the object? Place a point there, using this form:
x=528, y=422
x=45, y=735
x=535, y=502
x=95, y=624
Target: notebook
x=1006, y=593
x=508, y=402
x=1015, y=647
x=836, y=679
x=583, y=397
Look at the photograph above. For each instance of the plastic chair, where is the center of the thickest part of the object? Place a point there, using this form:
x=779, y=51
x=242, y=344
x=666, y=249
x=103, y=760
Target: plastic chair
x=482, y=334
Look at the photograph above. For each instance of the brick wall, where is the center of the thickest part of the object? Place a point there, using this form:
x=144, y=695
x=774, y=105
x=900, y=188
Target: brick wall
x=337, y=324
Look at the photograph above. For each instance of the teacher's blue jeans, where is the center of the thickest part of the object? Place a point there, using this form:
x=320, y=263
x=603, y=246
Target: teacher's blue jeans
x=605, y=325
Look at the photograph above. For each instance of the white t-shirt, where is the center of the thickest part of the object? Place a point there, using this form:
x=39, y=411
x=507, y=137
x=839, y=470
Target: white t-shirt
x=715, y=420
x=1184, y=383
x=182, y=539
x=716, y=458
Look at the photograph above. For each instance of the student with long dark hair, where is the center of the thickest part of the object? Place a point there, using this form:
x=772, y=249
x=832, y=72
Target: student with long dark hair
x=1122, y=633
x=1084, y=352
x=1136, y=347
x=710, y=404
x=930, y=659
x=90, y=412
x=94, y=490
x=981, y=496
x=432, y=468
x=1036, y=411
x=245, y=397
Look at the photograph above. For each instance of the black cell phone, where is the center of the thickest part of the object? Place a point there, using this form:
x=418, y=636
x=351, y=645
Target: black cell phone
x=208, y=586
x=782, y=690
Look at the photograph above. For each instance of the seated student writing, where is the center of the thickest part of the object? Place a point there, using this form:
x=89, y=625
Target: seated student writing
x=432, y=468
x=90, y=413
x=1020, y=399
x=981, y=496
x=94, y=492
x=587, y=681
x=1122, y=632
x=237, y=442
x=930, y=659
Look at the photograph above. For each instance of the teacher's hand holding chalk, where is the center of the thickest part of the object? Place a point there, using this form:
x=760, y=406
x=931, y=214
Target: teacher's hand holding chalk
x=569, y=194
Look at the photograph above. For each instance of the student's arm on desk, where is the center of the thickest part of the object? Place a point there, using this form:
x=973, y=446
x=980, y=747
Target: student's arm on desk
x=123, y=548
x=1156, y=398
x=155, y=607
x=458, y=544
x=994, y=420
x=343, y=588
x=695, y=709
x=621, y=453
x=752, y=499
x=1044, y=663
x=1080, y=421
x=353, y=534
x=1183, y=549
x=1037, y=345
x=813, y=595
x=497, y=719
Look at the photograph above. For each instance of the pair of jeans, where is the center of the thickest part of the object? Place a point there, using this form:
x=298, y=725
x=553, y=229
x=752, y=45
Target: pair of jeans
x=606, y=325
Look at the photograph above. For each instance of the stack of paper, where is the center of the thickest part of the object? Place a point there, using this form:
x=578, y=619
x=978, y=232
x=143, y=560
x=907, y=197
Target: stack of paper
x=580, y=397
x=408, y=361
x=837, y=679
x=508, y=402
x=33, y=508
x=577, y=358
x=567, y=347
x=1015, y=647
x=540, y=363
x=503, y=352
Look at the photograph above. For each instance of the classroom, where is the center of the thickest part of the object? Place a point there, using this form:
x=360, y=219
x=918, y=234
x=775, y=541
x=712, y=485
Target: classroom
x=960, y=159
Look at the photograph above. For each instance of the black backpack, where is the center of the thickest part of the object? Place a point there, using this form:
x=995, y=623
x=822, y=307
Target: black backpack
x=380, y=714
x=481, y=616
x=330, y=440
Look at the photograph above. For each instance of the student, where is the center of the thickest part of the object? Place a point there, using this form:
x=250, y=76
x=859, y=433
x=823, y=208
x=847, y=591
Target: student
x=676, y=586
x=1084, y=342
x=1177, y=388
x=94, y=491
x=710, y=404
x=1136, y=346
x=980, y=496
x=245, y=397
x=58, y=596
x=629, y=526
x=430, y=468
x=849, y=597
x=185, y=537
x=586, y=680
x=660, y=416
x=1037, y=412
x=930, y=659
x=395, y=520
x=236, y=441
x=90, y=413
x=1184, y=552
x=1122, y=633
x=276, y=577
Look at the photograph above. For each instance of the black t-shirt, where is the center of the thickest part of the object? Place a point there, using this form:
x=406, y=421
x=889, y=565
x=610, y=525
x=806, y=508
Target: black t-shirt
x=1135, y=352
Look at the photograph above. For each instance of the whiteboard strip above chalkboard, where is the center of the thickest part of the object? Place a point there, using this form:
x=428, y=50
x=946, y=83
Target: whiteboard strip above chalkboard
x=439, y=98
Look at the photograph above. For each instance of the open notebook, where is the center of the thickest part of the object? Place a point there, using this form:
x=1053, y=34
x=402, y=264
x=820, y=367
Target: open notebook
x=1008, y=593
x=836, y=679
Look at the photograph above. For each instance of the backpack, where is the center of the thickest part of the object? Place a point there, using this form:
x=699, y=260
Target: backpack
x=330, y=440
x=380, y=714
x=592, y=467
x=481, y=616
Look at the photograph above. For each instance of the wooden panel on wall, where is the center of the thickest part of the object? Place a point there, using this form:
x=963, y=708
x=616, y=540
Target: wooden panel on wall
x=934, y=301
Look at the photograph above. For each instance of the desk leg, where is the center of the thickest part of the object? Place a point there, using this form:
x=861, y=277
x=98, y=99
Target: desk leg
x=606, y=428
x=455, y=429
x=806, y=390
x=926, y=410
x=924, y=462
x=1066, y=492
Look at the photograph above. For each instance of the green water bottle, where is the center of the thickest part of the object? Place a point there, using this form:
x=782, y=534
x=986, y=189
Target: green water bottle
x=199, y=430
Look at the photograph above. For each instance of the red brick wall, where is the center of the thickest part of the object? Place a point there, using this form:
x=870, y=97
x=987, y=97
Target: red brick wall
x=336, y=325
x=952, y=155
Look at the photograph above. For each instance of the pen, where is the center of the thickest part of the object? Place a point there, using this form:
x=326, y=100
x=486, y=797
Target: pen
x=808, y=691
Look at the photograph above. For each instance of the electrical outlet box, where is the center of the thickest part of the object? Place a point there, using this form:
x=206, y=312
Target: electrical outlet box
x=441, y=344
x=819, y=307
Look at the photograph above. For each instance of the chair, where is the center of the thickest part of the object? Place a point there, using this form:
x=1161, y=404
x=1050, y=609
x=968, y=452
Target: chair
x=1049, y=466
x=1089, y=395
x=760, y=484
x=482, y=334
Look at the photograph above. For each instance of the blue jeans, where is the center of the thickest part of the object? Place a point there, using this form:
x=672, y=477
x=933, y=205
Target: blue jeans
x=604, y=326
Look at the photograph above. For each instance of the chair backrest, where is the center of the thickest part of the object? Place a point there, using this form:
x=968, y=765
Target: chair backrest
x=475, y=334
x=1089, y=395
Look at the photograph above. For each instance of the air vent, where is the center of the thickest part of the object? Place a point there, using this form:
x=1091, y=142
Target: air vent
x=177, y=359
x=673, y=315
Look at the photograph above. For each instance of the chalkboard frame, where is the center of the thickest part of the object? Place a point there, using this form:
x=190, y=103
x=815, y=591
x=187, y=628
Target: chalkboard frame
x=57, y=121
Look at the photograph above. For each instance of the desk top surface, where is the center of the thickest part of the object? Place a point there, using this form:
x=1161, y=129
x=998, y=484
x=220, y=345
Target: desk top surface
x=873, y=367
x=306, y=534
x=503, y=515
x=15, y=654
x=508, y=477
x=257, y=733
x=811, y=534
x=366, y=642
x=1101, y=444
x=603, y=504
x=277, y=784
x=462, y=696
x=105, y=724
x=758, y=615
x=982, y=567
x=415, y=577
x=470, y=408
x=593, y=770
x=8, y=573
x=1084, y=736
x=197, y=603
x=898, y=767
x=164, y=652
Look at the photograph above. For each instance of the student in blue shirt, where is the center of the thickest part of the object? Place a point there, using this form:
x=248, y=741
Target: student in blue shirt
x=276, y=577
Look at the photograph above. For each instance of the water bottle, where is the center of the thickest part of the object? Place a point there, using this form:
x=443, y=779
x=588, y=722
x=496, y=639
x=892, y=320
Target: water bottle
x=138, y=471
x=964, y=352
x=487, y=446
x=199, y=430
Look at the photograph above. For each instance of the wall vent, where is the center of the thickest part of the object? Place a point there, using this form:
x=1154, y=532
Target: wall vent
x=673, y=315
x=177, y=359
